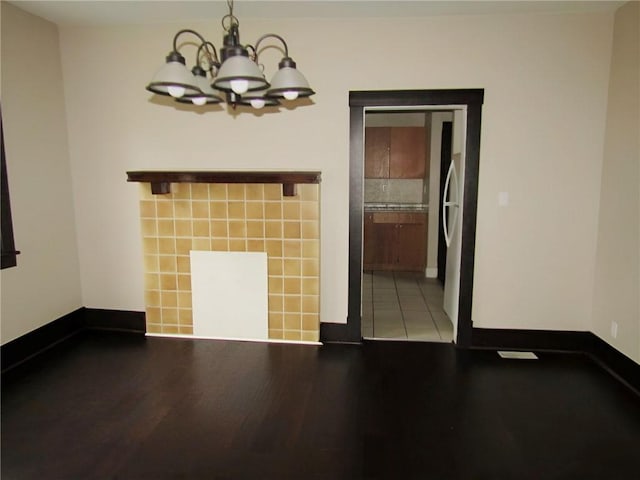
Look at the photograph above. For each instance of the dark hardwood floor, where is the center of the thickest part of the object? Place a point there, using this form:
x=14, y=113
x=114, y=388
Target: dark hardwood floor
x=106, y=405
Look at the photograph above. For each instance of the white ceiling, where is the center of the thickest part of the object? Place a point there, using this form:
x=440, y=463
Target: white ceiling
x=121, y=12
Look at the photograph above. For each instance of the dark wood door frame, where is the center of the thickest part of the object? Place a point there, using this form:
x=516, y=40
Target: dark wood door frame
x=358, y=102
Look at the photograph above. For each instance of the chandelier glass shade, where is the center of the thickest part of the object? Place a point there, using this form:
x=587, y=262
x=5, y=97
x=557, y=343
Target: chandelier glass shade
x=288, y=82
x=237, y=74
x=173, y=78
x=258, y=99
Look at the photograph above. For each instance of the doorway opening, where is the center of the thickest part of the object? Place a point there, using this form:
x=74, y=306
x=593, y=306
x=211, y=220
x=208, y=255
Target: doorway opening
x=401, y=305
x=407, y=157
x=360, y=102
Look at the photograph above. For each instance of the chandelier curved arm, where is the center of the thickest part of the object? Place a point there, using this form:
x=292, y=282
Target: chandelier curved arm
x=271, y=35
x=254, y=53
x=208, y=47
x=210, y=52
x=186, y=30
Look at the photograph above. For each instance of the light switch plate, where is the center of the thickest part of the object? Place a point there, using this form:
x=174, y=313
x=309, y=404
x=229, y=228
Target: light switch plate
x=503, y=199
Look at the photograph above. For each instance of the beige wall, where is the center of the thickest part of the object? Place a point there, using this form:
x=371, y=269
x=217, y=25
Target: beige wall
x=617, y=275
x=46, y=283
x=545, y=79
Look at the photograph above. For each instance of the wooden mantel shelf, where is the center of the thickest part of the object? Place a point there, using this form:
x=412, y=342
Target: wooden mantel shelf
x=161, y=180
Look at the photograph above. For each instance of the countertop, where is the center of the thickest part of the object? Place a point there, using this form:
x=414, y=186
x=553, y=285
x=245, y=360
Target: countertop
x=395, y=207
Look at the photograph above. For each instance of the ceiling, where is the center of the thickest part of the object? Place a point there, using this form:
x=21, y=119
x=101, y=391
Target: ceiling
x=112, y=12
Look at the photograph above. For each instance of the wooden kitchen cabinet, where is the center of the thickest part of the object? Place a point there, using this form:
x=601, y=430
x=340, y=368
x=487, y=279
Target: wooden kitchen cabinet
x=407, y=152
x=411, y=250
x=376, y=152
x=368, y=242
x=395, y=152
x=395, y=241
x=379, y=242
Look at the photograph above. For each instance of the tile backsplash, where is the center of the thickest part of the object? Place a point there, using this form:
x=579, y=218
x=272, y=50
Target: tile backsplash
x=393, y=190
x=233, y=217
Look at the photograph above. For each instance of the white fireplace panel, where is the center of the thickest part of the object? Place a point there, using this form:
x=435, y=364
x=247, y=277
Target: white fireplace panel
x=229, y=294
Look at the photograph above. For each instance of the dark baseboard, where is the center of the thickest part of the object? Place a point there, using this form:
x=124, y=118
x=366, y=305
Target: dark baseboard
x=22, y=348
x=339, y=333
x=615, y=362
x=121, y=320
x=43, y=338
x=511, y=339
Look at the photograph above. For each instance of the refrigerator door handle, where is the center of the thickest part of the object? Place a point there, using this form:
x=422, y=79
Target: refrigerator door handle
x=451, y=176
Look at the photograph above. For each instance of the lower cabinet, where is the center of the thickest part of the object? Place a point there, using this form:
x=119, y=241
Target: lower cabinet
x=395, y=241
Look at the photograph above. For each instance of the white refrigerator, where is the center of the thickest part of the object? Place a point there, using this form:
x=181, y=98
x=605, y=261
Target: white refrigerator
x=452, y=211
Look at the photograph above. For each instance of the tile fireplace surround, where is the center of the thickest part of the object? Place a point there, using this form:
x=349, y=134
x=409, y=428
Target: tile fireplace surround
x=232, y=211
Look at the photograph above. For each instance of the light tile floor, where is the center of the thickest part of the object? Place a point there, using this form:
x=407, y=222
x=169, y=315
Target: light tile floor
x=404, y=306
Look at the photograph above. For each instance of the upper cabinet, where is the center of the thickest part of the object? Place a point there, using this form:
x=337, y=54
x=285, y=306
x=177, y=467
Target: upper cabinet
x=376, y=152
x=395, y=152
x=407, y=152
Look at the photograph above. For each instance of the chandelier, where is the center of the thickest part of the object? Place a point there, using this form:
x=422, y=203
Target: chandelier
x=236, y=74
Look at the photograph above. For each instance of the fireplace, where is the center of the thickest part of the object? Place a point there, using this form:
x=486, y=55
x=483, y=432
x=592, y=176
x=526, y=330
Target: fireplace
x=272, y=212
